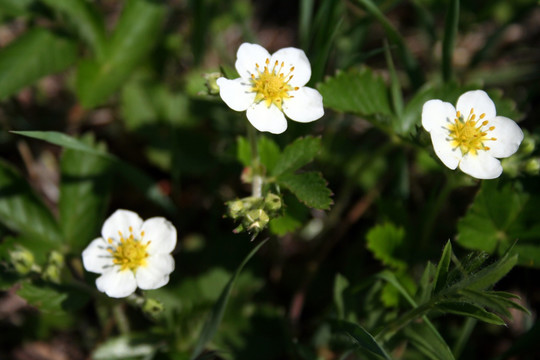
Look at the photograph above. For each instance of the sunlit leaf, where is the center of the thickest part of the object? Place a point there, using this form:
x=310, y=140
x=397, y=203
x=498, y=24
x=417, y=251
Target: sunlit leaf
x=493, y=218
x=385, y=242
x=84, y=193
x=133, y=38
x=310, y=188
x=19, y=65
x=359, y=92
x=82, y=15
x=297, y=154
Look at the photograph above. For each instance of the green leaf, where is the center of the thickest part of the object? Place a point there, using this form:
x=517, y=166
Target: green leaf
x=129, y=172
x=489, y=275
x=19, y=65
x=340, y=284
x=269, y=153
x=214, y=319
x=385, y=241
x=391, y=278
x=310, y=188
x=15, y=7
x=470, y=310
x=426, y=283
x=83, y=16
x=359, y=92
x=427, y=341
x=45, y=298
x=134, y=37
x=490, y=299
x=361, y=337
x=63, y=140
x=84, y=193
x=297, y=154
x=442, y=268
x=23, y=212
x=529, y=255
x=492, y=218
x=294, y=216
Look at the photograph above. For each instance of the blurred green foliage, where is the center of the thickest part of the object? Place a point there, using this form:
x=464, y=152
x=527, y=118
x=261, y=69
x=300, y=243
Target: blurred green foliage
x=106, y=104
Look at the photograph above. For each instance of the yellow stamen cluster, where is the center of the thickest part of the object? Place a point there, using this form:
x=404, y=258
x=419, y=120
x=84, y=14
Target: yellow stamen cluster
x=130, y=253
x=272, y=85
x=470, y=134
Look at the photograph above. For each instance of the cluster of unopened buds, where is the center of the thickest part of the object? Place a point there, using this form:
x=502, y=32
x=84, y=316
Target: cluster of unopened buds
x=254, y=213
x=23, y=262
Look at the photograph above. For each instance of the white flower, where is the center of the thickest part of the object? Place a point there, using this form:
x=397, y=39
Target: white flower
x=131, y=253
x=270, y=85
x=471, y=135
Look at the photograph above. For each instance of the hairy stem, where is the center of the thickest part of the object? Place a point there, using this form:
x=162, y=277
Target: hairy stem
x=257, y=182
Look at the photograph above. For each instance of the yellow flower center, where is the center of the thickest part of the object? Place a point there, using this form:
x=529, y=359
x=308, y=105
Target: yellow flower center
x=272, y=85
x=469, y=134
x=130, y=253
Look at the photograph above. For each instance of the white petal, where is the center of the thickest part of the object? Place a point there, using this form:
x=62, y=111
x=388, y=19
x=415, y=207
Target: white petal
x=236, y=93
x=156, y=272
x=306, y=105
x=161, y=234
x=293, y=57
x=477, y=100
x=437, y=114
x=264, y=118
x=95, y=257
x=449, y=156
x=247, y=56
x=116, y=283
x=121, y=221
x=508, y=135
x=481, y=166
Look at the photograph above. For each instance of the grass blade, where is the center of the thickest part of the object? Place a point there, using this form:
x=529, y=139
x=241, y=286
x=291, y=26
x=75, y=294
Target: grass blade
x=214, y=319
x=450, y=32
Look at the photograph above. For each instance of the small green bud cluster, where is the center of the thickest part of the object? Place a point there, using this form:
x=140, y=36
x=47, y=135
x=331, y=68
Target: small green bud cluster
x=254, y=213
x=211, y=82
x=522, y=161
x=23, y=262
x=53, y=269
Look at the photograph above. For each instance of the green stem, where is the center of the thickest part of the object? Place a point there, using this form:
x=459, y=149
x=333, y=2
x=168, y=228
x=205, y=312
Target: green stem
x=435, y=208
x=257, y=182
x=400, y=322
x=121, y=319
x=465, y=333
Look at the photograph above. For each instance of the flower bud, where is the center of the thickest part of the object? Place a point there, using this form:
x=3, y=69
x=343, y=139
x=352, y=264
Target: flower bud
x=272, y=202
x=152, y=307
x=532, y=166
x=22, y=260
x=53, y=270
x=256, y=220
x=235, y=208
x=527, y=145
x=211, y=82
